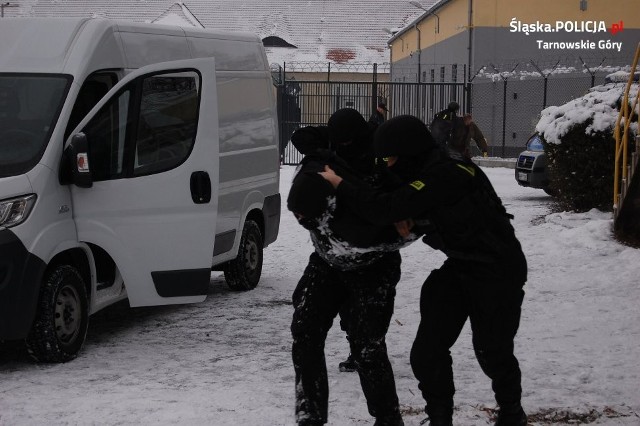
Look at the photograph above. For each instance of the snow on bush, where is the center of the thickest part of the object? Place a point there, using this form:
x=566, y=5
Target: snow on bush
x=599, y=108
x=579, y=144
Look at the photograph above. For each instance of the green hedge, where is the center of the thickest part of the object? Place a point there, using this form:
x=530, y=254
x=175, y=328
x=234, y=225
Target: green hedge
x=581, y=169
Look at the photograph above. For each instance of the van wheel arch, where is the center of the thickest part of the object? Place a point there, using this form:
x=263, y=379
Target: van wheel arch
x=257, y=216
x=243, y=273
x=76, y=258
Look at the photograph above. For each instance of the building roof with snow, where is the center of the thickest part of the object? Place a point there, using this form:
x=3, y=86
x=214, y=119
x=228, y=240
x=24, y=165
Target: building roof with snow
x=321, y=31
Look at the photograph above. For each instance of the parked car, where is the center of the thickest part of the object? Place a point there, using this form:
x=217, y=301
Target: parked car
x=531, y=168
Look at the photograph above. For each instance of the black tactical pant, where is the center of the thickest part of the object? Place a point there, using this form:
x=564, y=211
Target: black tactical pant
x=451, y=294
x=317, y=299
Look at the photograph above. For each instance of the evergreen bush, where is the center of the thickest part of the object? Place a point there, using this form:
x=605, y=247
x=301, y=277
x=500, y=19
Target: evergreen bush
x=579, y=143
x=581, y=169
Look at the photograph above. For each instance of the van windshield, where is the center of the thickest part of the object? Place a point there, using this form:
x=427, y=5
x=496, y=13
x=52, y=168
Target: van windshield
x=29, y=107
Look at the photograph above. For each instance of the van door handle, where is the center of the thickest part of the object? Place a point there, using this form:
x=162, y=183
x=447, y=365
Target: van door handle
x=200, y=187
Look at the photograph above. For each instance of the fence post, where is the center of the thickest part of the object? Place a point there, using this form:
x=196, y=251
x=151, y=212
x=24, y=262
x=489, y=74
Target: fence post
x=280, y=90
x=593, y=74
x=328, y=71
x=467, y=88
x=546, y=78
x=374, y=88
x=504, y=113
x=504, y=103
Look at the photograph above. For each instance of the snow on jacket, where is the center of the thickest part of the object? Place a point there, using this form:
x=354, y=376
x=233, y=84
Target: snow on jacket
x=340, y=237
x=459, y=201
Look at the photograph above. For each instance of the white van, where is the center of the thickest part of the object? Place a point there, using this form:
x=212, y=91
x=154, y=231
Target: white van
x=134, y=159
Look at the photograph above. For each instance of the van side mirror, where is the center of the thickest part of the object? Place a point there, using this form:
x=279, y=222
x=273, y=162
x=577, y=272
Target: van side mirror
x=75, y=163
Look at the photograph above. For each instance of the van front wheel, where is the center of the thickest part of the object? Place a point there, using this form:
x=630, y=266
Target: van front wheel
x=62, y=319
x=243, y=272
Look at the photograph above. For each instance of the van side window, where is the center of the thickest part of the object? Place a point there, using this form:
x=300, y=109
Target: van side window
x=167, y=121
x=106, y=133
x=148, y=127
x=92, y=90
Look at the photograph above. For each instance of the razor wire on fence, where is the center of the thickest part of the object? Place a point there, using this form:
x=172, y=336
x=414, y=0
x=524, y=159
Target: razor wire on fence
x=507, y=102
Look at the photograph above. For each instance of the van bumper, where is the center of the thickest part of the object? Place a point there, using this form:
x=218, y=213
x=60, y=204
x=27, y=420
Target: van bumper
x=20, y=277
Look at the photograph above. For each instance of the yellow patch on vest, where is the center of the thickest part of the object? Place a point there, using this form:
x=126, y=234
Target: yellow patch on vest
x=467, y=169
x=418, y=185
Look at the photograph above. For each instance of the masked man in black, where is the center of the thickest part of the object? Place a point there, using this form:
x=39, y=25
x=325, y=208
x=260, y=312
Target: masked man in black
x=482, y=278
x=355, y=265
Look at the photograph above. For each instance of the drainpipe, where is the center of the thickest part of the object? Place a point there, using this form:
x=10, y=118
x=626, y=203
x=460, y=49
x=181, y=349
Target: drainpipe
x=470, y=51
x=470, y=46
x=419, y=52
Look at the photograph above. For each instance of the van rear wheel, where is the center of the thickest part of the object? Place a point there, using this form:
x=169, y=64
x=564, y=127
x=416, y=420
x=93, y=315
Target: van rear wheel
x=243, y=272
x=62, y=319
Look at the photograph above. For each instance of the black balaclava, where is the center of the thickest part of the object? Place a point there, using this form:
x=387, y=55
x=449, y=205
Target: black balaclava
x=349, y=134
x=407, y=138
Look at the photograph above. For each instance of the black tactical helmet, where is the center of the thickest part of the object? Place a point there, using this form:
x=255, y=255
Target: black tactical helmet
x=404, y=135
x=309, y=194
x=453, y=106
x=346, y=125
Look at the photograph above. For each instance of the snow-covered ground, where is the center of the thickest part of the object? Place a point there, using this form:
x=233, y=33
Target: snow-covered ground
x=227, y=361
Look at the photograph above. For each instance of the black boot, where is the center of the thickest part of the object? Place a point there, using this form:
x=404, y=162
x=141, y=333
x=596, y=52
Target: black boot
x=439, y=414
x=437, y=421
x=309, y=422
x=348, y=365
x=511, y=415
x=394, y=419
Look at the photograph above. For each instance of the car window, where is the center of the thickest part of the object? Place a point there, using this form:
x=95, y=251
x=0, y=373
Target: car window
x=29, y=108
x=167, y=122
x=106, y=133
x=92, y=90
x=149, y=127
x=535, y=143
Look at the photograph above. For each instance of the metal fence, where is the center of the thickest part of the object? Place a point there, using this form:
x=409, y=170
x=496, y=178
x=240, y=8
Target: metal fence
x=506, y=107
x=311, y=103
x=507, y=110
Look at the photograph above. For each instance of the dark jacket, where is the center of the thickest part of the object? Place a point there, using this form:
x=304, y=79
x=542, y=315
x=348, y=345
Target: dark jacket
x=377, y=118
x=459, y=201
x=462, y=143
x=341, y=238
x=446, y=126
